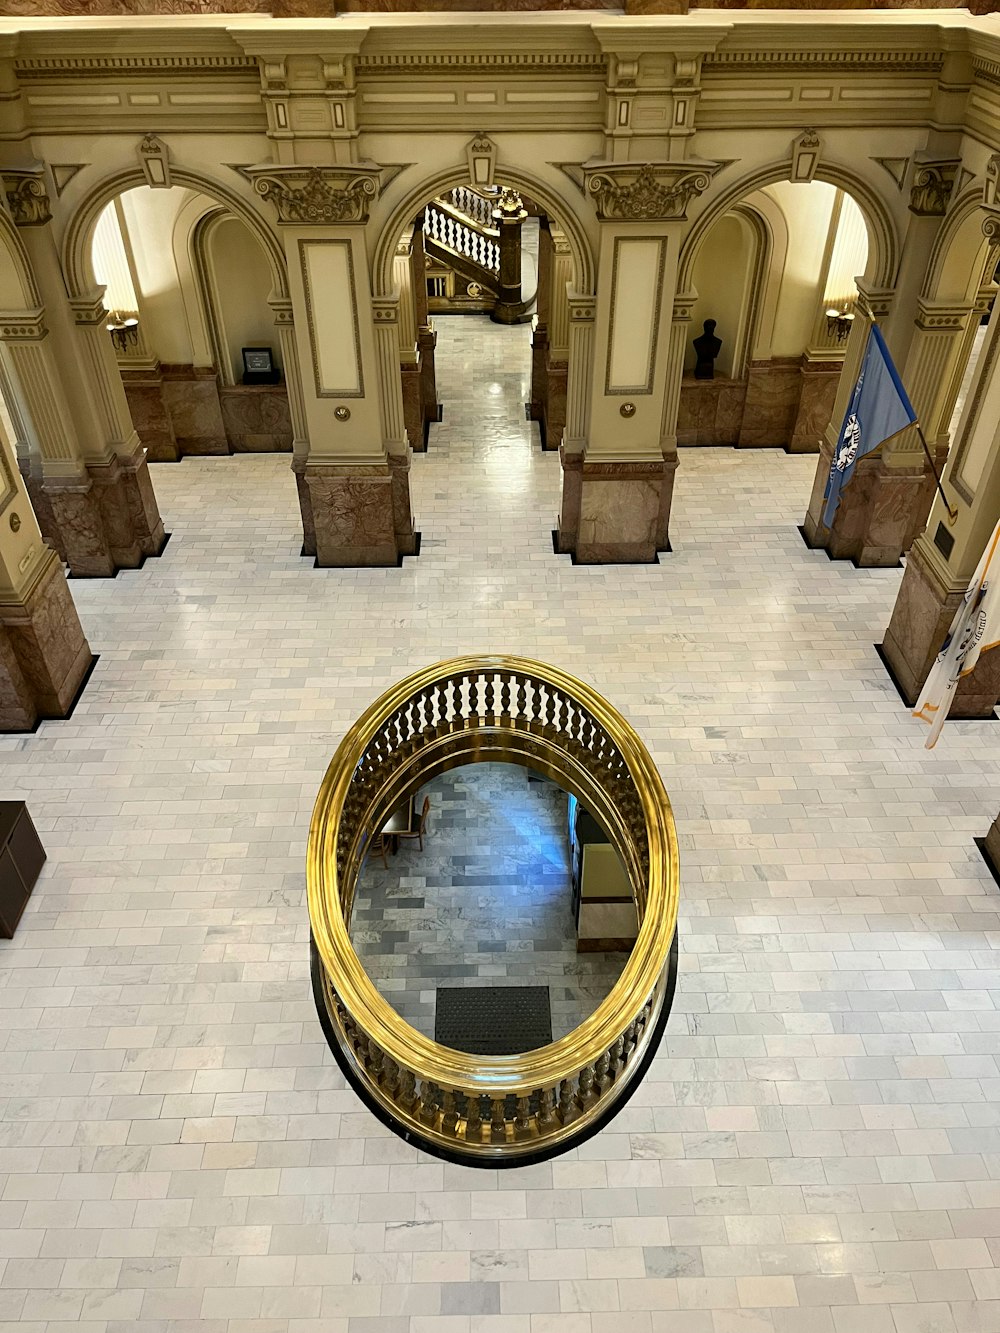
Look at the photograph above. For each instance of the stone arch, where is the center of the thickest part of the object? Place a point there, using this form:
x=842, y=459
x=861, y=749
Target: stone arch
x=76, y=247
x=431, y=186
x=961, y=253
x=17, y=283
x=883, y=239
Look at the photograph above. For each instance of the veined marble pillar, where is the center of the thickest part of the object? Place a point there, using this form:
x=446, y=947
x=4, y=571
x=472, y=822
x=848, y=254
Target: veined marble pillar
x=44, y=655
x=426, y=337
x=944, y=557
x=557, y=371
x=284, y=323
x=625, y=474
x=508, y=217
x=540, y=330
x=354, y=483
x=409, y=358
x=93, y=465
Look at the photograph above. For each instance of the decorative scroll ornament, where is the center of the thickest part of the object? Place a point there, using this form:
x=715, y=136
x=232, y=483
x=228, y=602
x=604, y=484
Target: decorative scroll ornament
x=654, y=193
x=806, y=152
x=931, y=188
x=154, y=158
x=991, y=184
x=27, y=197
x=318, y=195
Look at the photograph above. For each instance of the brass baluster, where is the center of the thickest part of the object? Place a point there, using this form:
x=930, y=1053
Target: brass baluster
x=523, y=1119
x=602, y=1080
x=504, y=697
x=390, y=1079
x=474, y=1118
x=449, y=1108
x=567, y=1109
x=586, y=1095
x=407, y=1090
x=546, y=1109
x=498, y=1122
x=427, y=1110
x=490, y=705
x=617, y=1057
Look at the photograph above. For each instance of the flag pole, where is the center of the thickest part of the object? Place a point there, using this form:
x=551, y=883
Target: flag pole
x=952, y=513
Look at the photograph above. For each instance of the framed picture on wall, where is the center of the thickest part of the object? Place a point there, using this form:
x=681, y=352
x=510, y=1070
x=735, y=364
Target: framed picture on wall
x=258, y=366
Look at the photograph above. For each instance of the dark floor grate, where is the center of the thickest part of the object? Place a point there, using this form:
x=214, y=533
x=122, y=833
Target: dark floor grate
x=493, y=1020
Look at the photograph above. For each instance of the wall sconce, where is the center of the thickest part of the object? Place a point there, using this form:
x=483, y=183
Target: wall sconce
x=124, y=332
x=839, y=322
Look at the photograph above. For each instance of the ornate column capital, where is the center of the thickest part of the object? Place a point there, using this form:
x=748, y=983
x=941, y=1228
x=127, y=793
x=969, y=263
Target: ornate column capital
x=281, y=308
x=385, y=309
x=684, y=303
x=89, y=309
x=932, y=186
x=875, y=302
x=582, y=309
x=27, y=196
x=647, y=191
x=318, y=196
x=942, y=316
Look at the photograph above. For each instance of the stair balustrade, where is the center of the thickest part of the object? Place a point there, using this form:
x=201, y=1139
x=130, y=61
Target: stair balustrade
x=461, y=238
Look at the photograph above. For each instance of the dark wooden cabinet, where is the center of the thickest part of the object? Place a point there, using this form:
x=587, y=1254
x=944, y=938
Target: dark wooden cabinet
x=21, y=858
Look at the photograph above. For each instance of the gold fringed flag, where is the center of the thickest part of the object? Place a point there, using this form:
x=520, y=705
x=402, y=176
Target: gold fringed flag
x=975, y=628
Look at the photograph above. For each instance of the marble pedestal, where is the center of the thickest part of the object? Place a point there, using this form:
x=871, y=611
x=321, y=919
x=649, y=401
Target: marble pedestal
x=144, y=392
x=882, y=509
x=105, y=521
x=44, y=655
x=920, y=621
x=817, y=396
x=548, y=391
x=413, y=406
x=191, y=396
x=771, y=403
x=614, y=512
x=426, y=343
x=360, y=514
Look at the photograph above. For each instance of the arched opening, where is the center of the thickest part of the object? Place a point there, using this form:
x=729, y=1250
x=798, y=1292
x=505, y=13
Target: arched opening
x=776, y=272
x=189, y=285
x=484, y=276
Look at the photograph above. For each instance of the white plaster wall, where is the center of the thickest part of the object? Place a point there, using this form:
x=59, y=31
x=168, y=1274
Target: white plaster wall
x=241, y=282
x=720, y=279
x=150, y=216
x=807, y=209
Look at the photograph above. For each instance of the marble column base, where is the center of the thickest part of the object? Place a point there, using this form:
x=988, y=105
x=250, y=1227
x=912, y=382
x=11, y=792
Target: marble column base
x=613, y=512
x=882, y=510
x=920, y=620
x=44, y=655
x=131, y=512
x=991, y=845
x=144, y=392
x=41, y=503
x=191, y=396
x=426, y=343
x=554, y=420
x=771, y=403
x=361, y=513
x=413, y=407
x=539, y=375
x=105, y=521
x=817, y=395
x=305, y=507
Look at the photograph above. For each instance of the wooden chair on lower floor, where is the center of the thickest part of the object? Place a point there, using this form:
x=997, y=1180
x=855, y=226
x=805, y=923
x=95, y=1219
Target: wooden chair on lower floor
x=378, y=847
x=421, y=828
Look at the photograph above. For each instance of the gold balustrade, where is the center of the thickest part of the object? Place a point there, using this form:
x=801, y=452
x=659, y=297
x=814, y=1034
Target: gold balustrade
x=492, y=1110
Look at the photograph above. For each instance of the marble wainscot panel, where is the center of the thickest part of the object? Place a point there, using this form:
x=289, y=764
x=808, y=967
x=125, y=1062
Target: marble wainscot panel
x=144, y=392
x=920, y=620
x=772, y=400
x=817, y=394
x=413, y=406
x=426, y=343
x=191, y=395
x=43, y=652
x=256, y=418
x=352, y=511
x=620, y=516
x=710, y=411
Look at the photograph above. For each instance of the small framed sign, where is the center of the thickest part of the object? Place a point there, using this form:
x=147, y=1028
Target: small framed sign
x=258, y=366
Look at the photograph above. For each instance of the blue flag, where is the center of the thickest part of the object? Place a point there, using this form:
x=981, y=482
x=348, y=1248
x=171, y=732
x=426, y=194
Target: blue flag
x=879, y=409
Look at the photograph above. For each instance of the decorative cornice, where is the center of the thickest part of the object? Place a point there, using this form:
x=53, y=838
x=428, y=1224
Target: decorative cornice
x=318, y=196
x=776, y=61
x=931, y=188
x=627, y=192
x=27, y=196
x=48, y=67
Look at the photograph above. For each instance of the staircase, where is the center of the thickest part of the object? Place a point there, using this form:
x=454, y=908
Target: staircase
x=460, y=239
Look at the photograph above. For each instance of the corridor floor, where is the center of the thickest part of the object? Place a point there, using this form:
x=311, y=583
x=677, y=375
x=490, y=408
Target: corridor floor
x=816, y=1148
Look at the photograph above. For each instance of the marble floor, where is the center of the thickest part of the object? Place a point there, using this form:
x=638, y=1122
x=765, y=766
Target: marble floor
x=816, y=1148
x=488, y=902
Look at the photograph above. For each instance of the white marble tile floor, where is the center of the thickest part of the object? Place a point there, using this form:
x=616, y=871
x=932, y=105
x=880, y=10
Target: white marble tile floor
x=817, y=1146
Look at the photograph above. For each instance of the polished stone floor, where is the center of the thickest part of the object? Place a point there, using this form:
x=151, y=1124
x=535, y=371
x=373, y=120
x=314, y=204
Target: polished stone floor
x=487, y=902
x=817, y=1146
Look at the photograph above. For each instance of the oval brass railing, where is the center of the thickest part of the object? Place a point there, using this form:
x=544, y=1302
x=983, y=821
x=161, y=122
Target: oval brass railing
x=492, y=1109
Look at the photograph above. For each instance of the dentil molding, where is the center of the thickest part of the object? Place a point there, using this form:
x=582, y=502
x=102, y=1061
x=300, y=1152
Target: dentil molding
x=646, y=192
x=318, y=195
